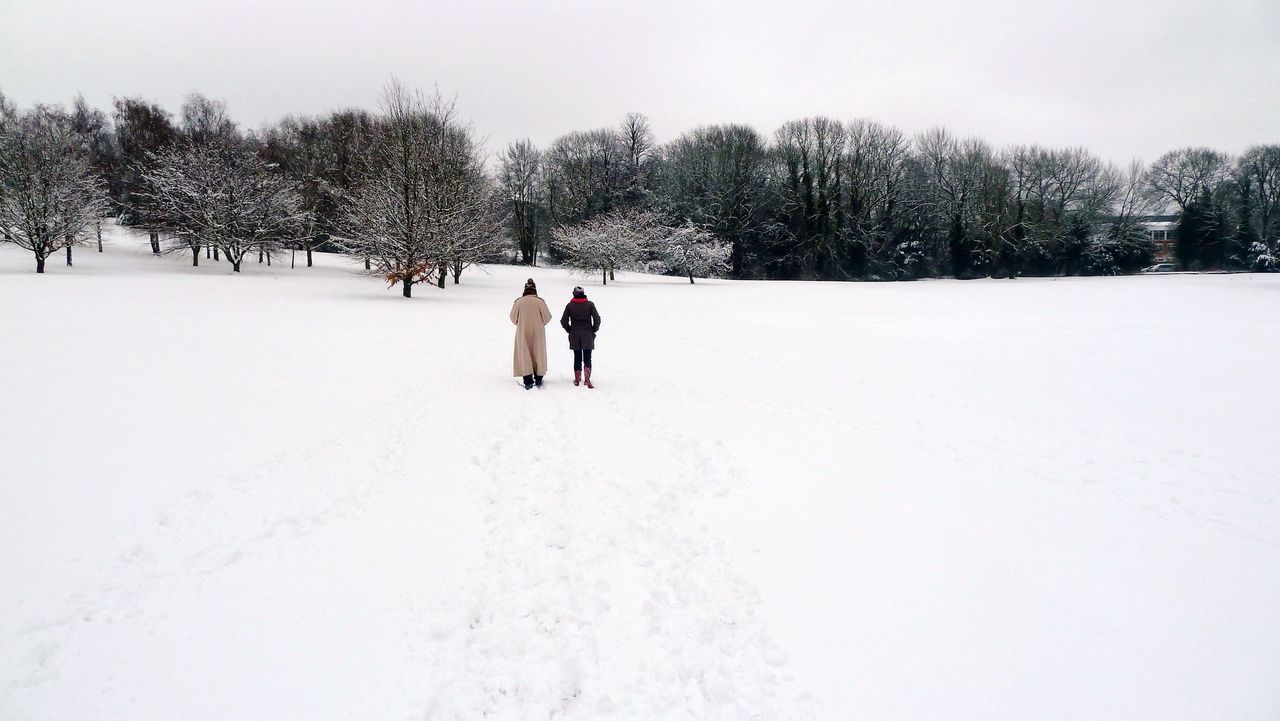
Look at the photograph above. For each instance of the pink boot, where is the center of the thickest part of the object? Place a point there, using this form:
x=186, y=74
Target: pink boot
x=577, y=378
x=588, y=377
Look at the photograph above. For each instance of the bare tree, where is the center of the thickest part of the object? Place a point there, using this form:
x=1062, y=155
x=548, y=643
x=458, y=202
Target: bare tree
x=49, y=194
x=809, y=171
x=715, y=177
x=584, y=175
x=521, y=189
x=205, y=120
x=464, y=212
x=1183, y=175
x=955, y=172
x=636, y=138
x=1261, y=165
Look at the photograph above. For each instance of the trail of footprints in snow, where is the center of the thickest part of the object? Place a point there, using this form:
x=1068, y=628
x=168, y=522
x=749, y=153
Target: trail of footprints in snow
x=152, y=556
x=601, y=598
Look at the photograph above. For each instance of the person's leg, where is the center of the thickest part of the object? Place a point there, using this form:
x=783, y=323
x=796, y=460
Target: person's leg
x=528, y=382
x=577, y=366
x=586, y=363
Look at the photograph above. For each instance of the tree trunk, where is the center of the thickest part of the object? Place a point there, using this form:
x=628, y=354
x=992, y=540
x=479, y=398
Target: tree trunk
x=691, y=277
x=293, y=258
x=98, y=228
x=39, y=264
x=443, y=273
x=611, y=274
x=215, y=253
x=235, y=264
x=155, y=243
x=260, y=256
x=407, y=287
x=308, y=255
x=68, y=252
x=604, y=277
x=366, y=262
x=268, y=260
x=195, y=256
x=208, y=251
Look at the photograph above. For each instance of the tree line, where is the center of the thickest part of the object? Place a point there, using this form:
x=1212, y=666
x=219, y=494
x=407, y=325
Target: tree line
x=409, y=192
x=825, y=199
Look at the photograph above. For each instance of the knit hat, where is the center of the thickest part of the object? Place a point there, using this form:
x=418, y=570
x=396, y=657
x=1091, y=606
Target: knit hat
x=578, y=292
x=530, y=288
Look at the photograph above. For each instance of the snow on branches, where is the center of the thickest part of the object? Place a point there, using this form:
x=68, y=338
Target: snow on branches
x=692, y=251
x=219, y=193
x=49, y=194
x=421, y=205
x=635, y=240
x=613, y=241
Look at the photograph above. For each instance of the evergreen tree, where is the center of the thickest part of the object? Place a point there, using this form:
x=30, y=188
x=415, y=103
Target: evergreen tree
x=1194, y=225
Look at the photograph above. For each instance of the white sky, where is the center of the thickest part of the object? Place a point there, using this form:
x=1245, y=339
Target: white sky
x=1123, y=77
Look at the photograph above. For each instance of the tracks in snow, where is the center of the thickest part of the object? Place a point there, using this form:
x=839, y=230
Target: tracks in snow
x=599, y=593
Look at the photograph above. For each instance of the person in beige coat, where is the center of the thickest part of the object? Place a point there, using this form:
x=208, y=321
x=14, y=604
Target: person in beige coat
x=530, y=315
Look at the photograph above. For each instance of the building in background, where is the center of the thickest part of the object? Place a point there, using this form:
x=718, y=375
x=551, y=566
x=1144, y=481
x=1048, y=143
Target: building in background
x=1163, y=230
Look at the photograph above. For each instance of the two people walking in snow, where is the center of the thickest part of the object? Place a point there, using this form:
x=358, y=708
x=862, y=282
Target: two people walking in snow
x=530, y=314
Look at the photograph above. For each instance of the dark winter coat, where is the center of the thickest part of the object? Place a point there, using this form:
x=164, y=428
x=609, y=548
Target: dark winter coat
x=581, y=321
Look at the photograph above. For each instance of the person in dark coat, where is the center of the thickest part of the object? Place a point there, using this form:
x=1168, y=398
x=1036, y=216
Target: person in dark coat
x=581, y=321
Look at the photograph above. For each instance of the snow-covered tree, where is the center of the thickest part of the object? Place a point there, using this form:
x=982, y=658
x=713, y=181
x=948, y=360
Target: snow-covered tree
x=464, y=215
x=470, y=229
x=1264, y=256
x=691, y=251
x=614, y=241
x=220, y=193
x=8, y=112
x=142, y=129
x=420, y=199
x=97, y=140
x=49, y=193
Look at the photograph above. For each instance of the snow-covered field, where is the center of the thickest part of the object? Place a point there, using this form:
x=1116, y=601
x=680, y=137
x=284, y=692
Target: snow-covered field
x=293, y=495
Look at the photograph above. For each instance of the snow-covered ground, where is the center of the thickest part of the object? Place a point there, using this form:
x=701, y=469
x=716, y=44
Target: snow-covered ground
x=294, y=495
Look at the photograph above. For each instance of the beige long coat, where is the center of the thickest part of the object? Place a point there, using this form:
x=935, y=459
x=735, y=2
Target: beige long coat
x=530, y=314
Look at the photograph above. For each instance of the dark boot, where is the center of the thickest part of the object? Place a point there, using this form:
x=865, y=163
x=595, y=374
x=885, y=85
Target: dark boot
x=528, y=382
x=587, y=377
x=577, y=378
x=537, y=381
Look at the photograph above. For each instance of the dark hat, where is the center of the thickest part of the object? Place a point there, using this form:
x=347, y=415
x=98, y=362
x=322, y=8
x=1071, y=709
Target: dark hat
x=578, y=292
x=530, y=288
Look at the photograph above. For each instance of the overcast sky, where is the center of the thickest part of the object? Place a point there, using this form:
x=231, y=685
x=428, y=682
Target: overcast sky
x=1125, y=78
